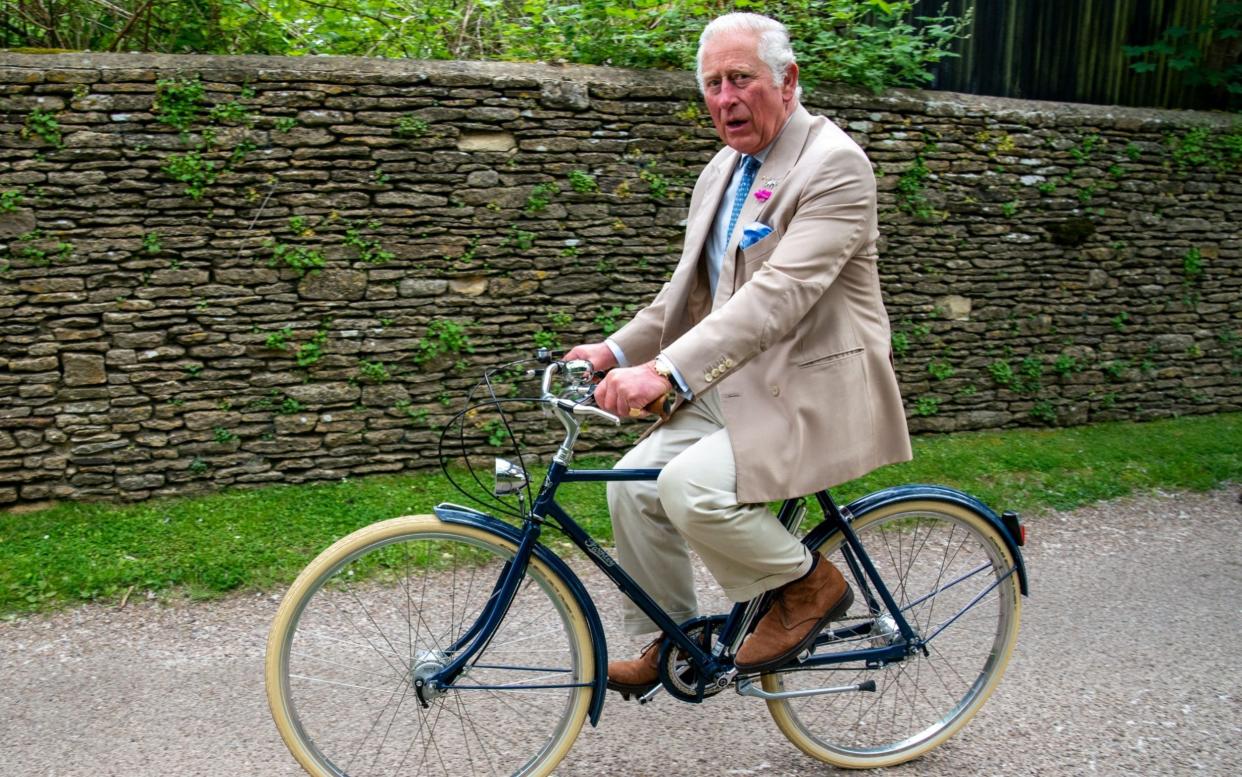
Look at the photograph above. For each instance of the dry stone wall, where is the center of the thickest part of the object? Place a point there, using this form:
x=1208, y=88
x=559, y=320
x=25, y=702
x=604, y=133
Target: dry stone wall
x=235, y=270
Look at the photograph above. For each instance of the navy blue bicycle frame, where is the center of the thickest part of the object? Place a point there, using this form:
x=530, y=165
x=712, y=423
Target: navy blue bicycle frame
x=545, y=507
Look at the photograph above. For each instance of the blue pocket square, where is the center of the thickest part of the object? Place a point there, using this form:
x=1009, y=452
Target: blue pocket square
x=752, y=233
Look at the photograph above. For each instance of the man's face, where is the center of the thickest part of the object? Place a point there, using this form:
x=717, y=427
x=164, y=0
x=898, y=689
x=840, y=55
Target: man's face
x=747, y=109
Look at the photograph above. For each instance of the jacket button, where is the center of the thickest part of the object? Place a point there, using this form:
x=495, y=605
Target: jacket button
x=776, y=391
x=728, y=363
x=708, y=377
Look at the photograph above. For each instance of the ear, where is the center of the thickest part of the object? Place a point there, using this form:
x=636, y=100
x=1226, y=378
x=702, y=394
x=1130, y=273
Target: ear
x=789, y=87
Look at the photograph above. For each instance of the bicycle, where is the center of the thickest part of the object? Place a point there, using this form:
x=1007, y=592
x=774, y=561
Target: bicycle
x=457, y=643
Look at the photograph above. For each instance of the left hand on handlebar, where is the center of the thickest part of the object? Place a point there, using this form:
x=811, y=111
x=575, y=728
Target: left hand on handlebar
x=628, y=391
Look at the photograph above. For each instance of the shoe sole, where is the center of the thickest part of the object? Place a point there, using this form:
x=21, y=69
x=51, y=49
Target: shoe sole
x=627, y=691
x=837, y=610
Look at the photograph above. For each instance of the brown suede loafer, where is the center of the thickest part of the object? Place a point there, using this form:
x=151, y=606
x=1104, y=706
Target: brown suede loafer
x=638, y=675
x=800, y=610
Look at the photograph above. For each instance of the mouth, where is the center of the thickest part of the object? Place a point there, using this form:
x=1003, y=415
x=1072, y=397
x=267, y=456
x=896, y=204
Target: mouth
x=733, y=125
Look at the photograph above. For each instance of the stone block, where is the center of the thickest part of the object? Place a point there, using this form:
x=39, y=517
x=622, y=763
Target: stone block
x=84, y=369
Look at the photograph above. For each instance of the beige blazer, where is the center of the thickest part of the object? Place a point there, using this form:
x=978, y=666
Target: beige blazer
x=796, y=340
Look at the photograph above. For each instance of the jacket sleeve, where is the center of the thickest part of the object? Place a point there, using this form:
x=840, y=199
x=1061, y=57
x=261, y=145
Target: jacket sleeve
x=833, y=216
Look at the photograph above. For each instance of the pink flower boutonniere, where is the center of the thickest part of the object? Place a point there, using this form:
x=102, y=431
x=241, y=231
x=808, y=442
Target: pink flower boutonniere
x=765, y=192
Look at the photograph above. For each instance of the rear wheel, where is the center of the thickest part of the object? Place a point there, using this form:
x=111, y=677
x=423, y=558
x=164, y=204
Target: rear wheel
x=954, y=580
x=382, y=610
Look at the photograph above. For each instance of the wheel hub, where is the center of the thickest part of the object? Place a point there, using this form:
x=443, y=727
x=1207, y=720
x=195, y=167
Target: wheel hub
x=427, y=664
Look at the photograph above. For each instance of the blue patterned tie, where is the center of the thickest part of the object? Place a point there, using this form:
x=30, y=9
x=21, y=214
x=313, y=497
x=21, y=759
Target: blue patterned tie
x=750, y=166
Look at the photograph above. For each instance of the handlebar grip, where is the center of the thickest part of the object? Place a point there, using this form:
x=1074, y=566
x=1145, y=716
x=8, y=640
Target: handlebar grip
x=581, y=409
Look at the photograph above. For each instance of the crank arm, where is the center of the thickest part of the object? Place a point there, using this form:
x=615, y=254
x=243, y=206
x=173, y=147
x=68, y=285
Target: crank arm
x=747, y=687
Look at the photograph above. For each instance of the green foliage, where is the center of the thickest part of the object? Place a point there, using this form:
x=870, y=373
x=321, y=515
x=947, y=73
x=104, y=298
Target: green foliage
x=941, y=370
x=369, y=248
x=901, y=343
x=1066, y=365
x=10, y=200
x=222, y=435
x=1192, y=266
x=279, y=340
x=234, y=111
x=285, y=124
x=1002, y=373
x=1043, y=411
x=300, y=259
x=1120, y=321
x=151, y=242
x=192, y=170
x=910, y=188
x=178, y=102
x=38, y=249
x=606, y=320
x=443, y=338
x=1200, y=147
x=310, y=352
x=582, y=182
x=43, y=125
x=373, y=372
x=496, y=432
x=657, y=185
x=870, y=43
x=1201, y=53
x=411, y=127
x=541, y=196
x=927, y=406
x=521, y=239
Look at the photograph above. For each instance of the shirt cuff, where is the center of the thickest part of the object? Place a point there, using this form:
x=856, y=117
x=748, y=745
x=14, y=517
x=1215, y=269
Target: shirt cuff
x=682, y=386
x=617, y=353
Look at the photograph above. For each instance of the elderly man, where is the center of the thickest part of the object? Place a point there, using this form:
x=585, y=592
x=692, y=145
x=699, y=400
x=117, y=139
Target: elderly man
x=773, y=338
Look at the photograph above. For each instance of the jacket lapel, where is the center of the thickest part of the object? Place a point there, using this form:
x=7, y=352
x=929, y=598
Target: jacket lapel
x=776, y=166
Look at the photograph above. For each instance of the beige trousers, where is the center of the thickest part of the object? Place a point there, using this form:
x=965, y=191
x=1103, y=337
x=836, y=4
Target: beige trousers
x=694, y=502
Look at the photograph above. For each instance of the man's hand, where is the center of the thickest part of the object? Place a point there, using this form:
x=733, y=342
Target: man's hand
x=625, y=392
x=599, y=355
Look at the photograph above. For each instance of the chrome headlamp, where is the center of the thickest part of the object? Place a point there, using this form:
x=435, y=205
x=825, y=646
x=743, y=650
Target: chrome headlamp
x=510, y=478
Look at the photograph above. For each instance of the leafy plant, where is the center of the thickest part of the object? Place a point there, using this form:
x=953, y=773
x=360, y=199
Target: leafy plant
x=941, y=370
x=298, y=258
x=279, y=340
x=927, y=406
x=223, y=436
x=1192, y=266
x=1002, y=373
x=606, y=320
x=496, y=433
x=234, y=111
x=582, y=182
x=194, y=171
x=411, y=127
x=656, y=183
x=375, y=372
x=178, y=102
x=151, y=242
x=444, y=337
x=1043, y=411
x=10, y=200
x=1207, y=64
x=285, y=124
x=910, y=188
x=43, y=125
x=541, y=196
x=310, y=352
x=369, y=249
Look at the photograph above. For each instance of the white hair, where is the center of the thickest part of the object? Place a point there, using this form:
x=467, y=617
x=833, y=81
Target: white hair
x=773, y=46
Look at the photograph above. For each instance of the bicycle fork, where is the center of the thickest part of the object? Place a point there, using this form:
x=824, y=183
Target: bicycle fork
x=431, y=676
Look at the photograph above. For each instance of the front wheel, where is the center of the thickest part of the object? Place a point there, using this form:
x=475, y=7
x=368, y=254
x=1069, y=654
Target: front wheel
x=385, y=608
x=954, y=580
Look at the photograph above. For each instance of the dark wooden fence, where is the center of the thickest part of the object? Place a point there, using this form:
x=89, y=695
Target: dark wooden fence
x=1072, y=50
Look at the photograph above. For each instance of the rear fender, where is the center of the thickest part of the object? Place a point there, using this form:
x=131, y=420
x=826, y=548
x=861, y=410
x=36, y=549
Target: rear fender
x=450, y=513
x=888, y=496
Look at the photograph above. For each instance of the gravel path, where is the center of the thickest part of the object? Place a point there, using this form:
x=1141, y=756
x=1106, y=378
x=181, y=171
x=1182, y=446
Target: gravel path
x=1126, y=663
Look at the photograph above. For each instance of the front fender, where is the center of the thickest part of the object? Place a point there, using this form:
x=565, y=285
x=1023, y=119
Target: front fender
x=450, y=513
x=888, y=496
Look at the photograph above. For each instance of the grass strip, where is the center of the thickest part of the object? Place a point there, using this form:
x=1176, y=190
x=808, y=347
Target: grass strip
x=261, y=538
